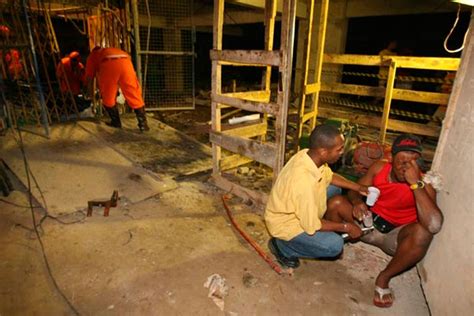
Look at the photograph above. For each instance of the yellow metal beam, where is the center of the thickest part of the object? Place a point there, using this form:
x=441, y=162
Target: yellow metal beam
x=388, y=100
x=428, y=63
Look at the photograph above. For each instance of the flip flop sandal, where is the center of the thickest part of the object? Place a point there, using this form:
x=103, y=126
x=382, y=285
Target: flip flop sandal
x=381, y=293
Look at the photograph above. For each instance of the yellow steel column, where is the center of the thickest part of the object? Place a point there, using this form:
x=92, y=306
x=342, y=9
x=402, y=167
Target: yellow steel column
x=319, y=59
x=306, y=58
x=216, y=81
x=388, y=100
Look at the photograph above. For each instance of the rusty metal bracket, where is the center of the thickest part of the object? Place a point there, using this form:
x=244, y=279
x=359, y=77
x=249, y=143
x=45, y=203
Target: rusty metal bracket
x=107, y=204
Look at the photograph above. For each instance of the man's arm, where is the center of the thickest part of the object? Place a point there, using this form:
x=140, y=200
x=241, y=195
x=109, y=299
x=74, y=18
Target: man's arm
x=429, y=214
x=352, y=229
x=359, y=206
x=342, y=182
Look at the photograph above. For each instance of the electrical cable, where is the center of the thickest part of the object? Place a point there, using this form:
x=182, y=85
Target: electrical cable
x=445, y=44
x=30, y=200
x=17, y=205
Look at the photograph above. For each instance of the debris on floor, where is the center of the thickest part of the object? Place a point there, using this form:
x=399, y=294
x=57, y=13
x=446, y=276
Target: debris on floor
x=218, y=289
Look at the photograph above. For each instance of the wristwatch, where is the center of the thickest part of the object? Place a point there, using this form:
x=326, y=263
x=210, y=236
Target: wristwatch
x=418, y=185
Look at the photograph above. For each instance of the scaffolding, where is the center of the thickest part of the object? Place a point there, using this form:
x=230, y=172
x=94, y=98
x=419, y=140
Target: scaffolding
x=340, y=100
x=165, y=53
x=250, y=142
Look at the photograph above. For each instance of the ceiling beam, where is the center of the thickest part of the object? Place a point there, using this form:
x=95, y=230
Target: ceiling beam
x=300, y=8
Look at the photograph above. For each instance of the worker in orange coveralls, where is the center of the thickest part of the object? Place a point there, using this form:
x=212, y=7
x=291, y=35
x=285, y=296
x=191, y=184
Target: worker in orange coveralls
x=71, y=76
x=14, y=65
x=12, y=58
x=70, y=73
x=113, y=68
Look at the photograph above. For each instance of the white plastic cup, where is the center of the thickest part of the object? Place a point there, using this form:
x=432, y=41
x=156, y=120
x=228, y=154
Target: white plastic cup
x=368, y=220
x=373, y=196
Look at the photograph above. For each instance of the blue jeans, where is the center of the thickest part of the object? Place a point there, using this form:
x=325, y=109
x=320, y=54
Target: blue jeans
x=319, y=245
x=332, y=191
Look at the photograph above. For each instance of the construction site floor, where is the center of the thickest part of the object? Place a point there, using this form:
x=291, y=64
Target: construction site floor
x=152, y=255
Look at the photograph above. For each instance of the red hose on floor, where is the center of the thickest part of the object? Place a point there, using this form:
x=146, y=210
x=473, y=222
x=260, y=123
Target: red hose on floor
x=257, y=248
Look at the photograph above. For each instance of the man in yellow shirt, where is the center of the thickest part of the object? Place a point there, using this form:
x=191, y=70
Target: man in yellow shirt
x=295, y=212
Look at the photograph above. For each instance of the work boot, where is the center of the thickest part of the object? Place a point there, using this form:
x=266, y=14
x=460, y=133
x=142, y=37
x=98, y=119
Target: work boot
x=114, y=117
x=141, y=118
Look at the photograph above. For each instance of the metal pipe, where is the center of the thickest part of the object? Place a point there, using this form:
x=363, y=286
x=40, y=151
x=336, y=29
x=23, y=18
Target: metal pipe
x=136, y=30
x=44, y=118
x=164, y=52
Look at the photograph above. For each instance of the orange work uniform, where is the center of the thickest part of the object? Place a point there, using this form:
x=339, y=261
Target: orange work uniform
x=15, y=67
x=114, y=69
x=67, y=75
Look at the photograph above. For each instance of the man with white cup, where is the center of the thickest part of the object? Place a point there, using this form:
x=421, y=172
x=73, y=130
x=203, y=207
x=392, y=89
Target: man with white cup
x=405, y=214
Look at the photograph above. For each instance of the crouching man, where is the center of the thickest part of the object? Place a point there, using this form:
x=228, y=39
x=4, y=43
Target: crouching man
x=295, y=212
x=405, y=215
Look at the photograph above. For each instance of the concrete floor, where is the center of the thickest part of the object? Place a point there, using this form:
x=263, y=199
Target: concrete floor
x=153, y=257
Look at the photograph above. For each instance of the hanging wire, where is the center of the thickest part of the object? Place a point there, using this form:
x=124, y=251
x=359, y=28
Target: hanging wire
x=445, y=44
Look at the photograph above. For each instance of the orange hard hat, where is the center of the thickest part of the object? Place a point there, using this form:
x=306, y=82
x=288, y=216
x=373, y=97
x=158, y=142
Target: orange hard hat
x=4, y=30
x=75, y=55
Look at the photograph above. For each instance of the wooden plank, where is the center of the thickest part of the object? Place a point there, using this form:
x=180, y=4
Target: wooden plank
x=270, y=108
x=248, y=131
x=388, y=100
x=421, y=96
x=261, y=152
x=349, y=59
x=398, y=94
x=300, y=12
x=234, y=161
x=374, y=121
x=429, y=63
x=353, y=89
x=256, y=95
x=245, y=193
x=283, y=98
x=257, y=58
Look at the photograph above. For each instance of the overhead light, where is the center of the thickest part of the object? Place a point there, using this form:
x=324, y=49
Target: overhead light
x=466, y=2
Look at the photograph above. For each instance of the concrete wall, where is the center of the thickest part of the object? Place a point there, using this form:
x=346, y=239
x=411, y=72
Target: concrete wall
x=448, y=269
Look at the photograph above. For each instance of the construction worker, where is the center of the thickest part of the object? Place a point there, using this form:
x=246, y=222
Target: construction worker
x=113, y=68
x=11, y=60
x=70, y=73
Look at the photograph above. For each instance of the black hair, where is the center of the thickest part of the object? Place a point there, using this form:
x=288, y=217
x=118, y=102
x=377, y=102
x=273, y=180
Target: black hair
x=323, y=136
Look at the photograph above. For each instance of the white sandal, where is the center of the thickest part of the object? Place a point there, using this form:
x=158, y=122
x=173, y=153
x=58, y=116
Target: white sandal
x=381, y=293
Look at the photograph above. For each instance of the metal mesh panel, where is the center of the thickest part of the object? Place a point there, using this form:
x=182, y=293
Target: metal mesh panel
x=167, y=53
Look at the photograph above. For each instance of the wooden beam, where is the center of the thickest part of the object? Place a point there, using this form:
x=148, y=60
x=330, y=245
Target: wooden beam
x=256, y=58
x=270, y=108
x=398, y=94
x=287, y=37
x=248, y=131
x=352, y=89
x=261, y=152
x=245, y=193
x=300, y=10
x=374, y=121
x=234, y=161
x=421, y=96
x=258, y=95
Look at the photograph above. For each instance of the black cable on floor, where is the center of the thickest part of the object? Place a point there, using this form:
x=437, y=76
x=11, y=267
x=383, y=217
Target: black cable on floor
x=30, y=200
